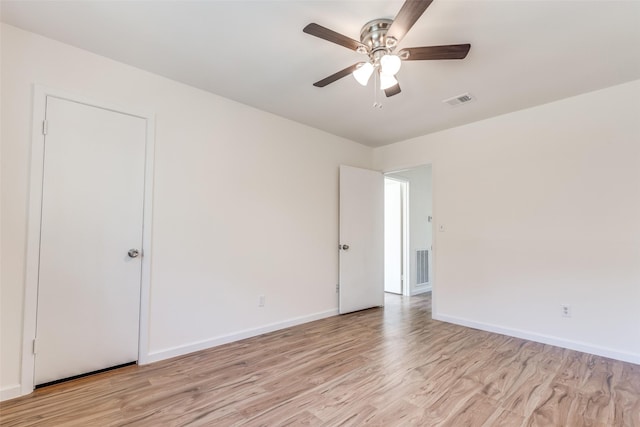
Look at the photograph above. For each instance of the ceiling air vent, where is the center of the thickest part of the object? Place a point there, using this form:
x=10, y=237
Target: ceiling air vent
x=459, y=99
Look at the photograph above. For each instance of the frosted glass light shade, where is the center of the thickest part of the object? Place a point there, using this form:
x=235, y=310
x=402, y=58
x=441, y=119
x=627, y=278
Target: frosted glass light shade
x=387, y=81
x=363, y=73
x=390, y=64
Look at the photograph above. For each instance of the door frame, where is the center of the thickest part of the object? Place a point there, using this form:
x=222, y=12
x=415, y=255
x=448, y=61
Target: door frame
x=404, y=218
x=40, y=94
x=434, y=235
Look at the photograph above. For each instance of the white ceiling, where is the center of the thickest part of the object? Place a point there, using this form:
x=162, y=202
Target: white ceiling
x=523, y=53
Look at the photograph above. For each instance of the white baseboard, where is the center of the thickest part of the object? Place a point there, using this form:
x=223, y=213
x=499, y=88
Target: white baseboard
x=420, y=289
x=542, y=338
x=225, y=339
x=10, y=392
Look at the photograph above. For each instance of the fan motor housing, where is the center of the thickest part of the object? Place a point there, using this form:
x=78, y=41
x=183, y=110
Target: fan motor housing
x=373, y=35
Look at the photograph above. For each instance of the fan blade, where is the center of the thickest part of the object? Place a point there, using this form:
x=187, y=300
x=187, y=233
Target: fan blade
x=393, y=90
x=332, y=36
x=451, y=51
x=336, y=76
x=409, y=13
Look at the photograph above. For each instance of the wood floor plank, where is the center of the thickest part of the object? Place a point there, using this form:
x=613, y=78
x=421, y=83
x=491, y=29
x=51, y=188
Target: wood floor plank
x=380, y=367
x=502, y=417
x=532, y=371
x=396, y=413
x=476, y=411
x=350, y=415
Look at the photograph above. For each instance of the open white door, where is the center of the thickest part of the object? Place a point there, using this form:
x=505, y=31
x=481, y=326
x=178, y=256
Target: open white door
x=361, y=239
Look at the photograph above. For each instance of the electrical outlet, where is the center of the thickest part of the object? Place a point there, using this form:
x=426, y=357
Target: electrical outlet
x=565, y=310
x=261, y=301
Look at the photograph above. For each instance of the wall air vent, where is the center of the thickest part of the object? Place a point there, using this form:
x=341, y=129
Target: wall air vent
x=459, y=99
x=422, y=266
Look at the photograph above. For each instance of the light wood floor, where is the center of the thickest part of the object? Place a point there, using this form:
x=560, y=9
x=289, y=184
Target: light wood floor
x=385, y=367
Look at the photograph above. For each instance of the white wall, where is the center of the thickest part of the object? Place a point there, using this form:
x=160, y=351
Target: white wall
x=245, y=202
x=541, y=208
x=420, y=209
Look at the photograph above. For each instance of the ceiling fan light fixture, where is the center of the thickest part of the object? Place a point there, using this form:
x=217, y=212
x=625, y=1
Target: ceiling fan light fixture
x=390, y=64
x=363, y=73
x=387, y=81
x=379, y=39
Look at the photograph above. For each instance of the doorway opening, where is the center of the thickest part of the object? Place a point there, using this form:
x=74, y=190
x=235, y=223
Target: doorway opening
x=395, y=235
x=408, y=231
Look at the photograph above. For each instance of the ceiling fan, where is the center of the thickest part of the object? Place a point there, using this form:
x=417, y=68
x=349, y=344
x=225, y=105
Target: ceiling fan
x=378, y=40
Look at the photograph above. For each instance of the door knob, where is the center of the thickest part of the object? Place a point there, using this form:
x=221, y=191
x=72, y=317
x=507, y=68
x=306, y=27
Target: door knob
x=345, y=247
x=133, y=253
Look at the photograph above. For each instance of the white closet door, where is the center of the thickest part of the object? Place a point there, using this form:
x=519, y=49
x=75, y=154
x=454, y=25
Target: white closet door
x=92, y=212
x=362, y=231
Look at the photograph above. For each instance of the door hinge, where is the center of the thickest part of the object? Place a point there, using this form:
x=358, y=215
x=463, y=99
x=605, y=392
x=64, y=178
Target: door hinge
x=45, y=127
x=34, y=347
